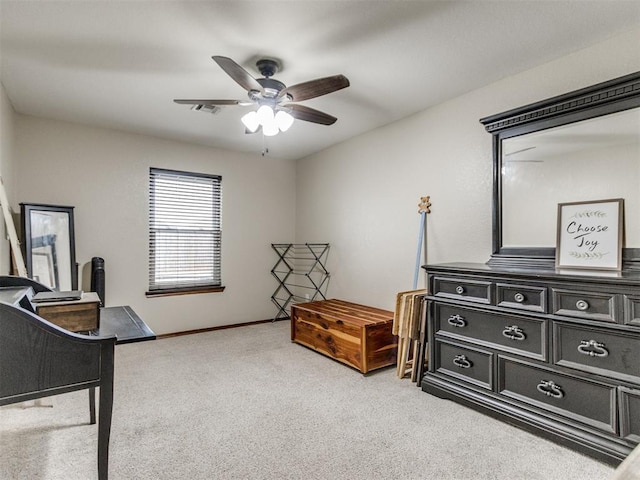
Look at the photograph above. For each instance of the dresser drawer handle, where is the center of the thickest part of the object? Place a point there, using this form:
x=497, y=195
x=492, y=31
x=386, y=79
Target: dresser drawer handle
x=593, y=348
x=457, y=321
x=514, y=333
x=462, y=361
x=550, y=389
x=518, y=297
x=582, y=305
x=459, y=289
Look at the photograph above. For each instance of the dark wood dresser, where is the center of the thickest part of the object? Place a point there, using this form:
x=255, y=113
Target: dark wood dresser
x=556, y=353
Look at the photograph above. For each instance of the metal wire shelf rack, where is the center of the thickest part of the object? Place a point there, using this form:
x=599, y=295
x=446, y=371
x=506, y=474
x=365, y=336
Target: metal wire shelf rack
x=301, y=274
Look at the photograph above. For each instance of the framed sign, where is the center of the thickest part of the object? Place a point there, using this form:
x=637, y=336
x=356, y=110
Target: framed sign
x=590, y=234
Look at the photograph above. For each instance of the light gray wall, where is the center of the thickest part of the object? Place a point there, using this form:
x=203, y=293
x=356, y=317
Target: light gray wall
x=6, y=172
x=361, y=196
x=104, y=174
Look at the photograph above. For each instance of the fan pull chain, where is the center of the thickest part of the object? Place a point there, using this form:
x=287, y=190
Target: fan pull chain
x=265, y=149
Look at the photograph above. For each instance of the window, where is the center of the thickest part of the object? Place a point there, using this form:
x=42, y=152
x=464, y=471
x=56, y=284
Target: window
x=185, y=232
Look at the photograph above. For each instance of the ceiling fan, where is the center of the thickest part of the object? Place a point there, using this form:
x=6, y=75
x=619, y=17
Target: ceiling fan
x=274, y=99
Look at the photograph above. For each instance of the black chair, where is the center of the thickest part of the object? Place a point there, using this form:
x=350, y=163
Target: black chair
x=39, y=359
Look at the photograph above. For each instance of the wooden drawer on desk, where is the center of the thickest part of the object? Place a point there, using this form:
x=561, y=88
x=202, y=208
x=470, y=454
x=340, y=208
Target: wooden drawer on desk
x=602, y=351
x=589, y=402
x=512, y=333
x=76, y=316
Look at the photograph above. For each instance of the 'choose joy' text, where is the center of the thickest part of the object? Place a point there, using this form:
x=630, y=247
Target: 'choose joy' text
x=581, y=232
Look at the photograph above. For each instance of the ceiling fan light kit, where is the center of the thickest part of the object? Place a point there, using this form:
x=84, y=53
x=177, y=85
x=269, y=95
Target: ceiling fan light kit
x=275, y=112
x=284, y=120
x=271, y=122
x=251, y=121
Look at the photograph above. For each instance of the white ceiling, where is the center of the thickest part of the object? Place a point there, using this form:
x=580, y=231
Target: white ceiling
x=119, y=64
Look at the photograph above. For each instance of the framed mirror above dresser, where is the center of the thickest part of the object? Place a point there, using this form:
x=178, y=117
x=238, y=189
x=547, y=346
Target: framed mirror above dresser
x=581, y=146
x=554, y=351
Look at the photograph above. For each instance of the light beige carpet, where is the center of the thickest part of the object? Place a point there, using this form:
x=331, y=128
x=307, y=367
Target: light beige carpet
x=246, y=403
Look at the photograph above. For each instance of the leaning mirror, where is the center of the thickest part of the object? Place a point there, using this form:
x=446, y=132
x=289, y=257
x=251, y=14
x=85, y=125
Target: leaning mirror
x=49, y=244
x=581, y=146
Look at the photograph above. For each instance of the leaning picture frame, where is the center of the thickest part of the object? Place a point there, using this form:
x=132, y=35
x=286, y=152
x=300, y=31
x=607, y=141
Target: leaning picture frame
x=590, y=234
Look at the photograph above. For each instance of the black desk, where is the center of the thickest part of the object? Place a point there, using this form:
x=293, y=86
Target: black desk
x=122, y=322
x=125, y=324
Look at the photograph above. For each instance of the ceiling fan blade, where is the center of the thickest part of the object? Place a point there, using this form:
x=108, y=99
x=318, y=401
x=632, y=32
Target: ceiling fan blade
x=520, y=151
x=212, y=102
x=310, y=115
x=239, y=74
x=315, y=88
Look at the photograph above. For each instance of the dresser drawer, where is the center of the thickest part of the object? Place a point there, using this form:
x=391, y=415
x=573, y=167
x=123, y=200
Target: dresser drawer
x=588, y=402
x=470, y=365
x=604, y=352
x=511, y=333
x=477, y=291
x=522, y=297
x=588, y=305
x=630, y=414
x=632, y=310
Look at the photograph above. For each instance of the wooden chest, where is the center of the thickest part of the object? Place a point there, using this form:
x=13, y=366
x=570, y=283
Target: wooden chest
x=73, y=315
x=356, y=335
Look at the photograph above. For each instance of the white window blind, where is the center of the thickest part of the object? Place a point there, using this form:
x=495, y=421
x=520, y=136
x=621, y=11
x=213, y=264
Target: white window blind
x=185, y=231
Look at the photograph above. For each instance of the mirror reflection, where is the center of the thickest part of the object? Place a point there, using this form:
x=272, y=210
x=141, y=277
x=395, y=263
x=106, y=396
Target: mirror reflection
x=49, y=245
x=594, y=159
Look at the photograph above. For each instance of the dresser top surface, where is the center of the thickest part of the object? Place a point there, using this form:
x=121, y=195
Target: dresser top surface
x=541, y=273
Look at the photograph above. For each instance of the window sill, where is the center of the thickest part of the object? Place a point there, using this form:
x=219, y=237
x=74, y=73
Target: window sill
x=183, y=291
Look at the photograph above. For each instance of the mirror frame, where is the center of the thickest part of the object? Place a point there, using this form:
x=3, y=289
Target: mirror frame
x=604, y=98
x=27, y=241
